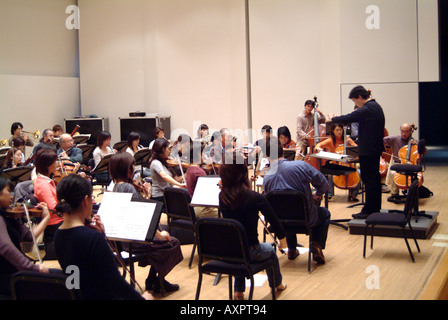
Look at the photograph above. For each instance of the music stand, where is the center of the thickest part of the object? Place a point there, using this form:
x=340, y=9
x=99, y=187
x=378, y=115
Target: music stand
x=19, y=174
x=87, y=150
x=4, y=150
x=81, y=138
x=128, y=219
x=2, y=159
x=120, y=146
x=103, y=166
x=352, y=151
x=289, y=154
x=142, y=158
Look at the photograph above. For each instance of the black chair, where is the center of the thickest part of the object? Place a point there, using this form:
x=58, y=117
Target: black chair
x=31, y=285
x=292, y=211
x=179, y=212
x=224, y=242
x=395, y=218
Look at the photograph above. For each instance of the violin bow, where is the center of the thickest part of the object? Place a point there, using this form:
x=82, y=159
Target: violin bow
x=32, y=233
x=272, y=236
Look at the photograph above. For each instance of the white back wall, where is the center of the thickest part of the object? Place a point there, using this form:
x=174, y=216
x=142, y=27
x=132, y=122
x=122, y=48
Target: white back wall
x=187, y=59
x=39, y=82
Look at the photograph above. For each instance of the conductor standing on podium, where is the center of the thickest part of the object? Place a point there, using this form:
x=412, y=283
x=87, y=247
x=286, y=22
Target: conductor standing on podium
x=371, y=121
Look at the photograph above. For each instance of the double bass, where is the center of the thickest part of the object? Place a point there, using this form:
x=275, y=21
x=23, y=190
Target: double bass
x=316, y=134
x=408, y=155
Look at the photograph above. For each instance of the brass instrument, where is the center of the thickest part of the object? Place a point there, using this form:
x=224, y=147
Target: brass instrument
x=35, y=135
x=3, y=143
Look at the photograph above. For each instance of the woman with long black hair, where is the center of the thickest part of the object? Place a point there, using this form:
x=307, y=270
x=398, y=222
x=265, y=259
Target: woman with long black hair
x=237, y=201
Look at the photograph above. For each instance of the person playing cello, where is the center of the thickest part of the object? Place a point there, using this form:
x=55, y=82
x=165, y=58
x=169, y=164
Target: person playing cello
x=331, y=145
x=397, y=142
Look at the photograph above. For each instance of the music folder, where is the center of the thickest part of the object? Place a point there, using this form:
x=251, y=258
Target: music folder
x=129, y=219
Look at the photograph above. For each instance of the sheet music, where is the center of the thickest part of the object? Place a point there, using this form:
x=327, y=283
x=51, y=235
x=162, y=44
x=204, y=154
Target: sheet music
x=206, y=193
x=331, y=156
x=125, y=219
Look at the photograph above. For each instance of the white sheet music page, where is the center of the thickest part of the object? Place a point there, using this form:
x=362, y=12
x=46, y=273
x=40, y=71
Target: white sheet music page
x=206, y=192
x=123, y=218
x=330, y=156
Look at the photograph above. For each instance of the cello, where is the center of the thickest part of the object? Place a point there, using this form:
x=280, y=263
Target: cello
x=383, y=160
x=408, y=155
x=346, y=182
x=350, y=181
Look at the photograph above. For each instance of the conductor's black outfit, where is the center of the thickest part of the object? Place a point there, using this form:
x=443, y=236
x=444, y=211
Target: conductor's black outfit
x=370, y=146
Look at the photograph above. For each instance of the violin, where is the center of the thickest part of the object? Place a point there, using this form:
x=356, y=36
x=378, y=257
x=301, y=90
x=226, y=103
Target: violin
x=138, y=184
x=408, y=155
x=19, y=212
x=175, y=163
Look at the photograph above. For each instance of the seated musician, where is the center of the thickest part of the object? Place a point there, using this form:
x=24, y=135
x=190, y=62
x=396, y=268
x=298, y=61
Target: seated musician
x=192, y=175
x=162, y=173
x=16, y=131
x=284, y=135
x=181, y=148
x=13, y=159
x=159, y=132
x=397, y=142
x=67, y=150
x=164, y=252
x=337, y=139
x=237, y=201
x=12, y=232
x=19, y=143
x=299, y=175
x=58, y=130
x=45, y=191
x=133, y=145
x=46, y=142
x=220, y=151
x=203, y=135
x=80, y=242
x=305, y=122
x=102, y=149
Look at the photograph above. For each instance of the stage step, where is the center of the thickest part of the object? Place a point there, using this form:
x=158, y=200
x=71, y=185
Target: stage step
x=423, y=227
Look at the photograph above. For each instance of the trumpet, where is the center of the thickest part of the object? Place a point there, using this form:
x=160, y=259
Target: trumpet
x=34, y=135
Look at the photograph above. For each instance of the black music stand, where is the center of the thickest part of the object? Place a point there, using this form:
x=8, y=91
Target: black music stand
x=142, y=158
x=354, y=152
x=19, y=174
x=121, y=228
x=120, y=146
x=103, y=166
x=2, y=159
x=335, y=170
x=87, y=150
x=81, y=138
x=4, y=150
x=289, y=154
